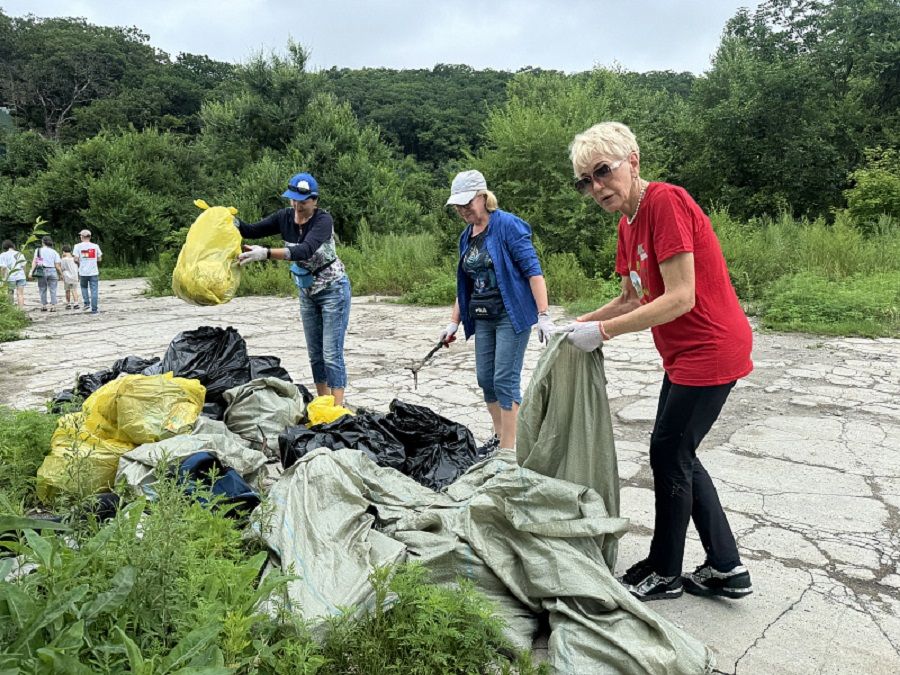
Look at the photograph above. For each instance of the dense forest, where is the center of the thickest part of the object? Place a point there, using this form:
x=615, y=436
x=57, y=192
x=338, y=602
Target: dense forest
x=798, y=117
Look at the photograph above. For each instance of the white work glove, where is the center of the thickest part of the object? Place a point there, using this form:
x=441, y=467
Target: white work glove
x=448, y=335
x=545, y=327
x=584, y=335
x=253, y=254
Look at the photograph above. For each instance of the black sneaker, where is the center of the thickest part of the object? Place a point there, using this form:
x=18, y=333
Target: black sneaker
x=489, y=447
x=636, y=573
x=656, y=587
x=706, y=580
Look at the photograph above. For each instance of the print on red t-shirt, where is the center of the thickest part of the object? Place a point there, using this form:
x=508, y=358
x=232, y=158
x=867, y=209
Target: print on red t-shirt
x=710, y=344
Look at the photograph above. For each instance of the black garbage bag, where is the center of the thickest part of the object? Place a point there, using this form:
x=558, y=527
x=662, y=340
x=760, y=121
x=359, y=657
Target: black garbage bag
x=65, y=401
x=130, y=365
x=215, y=356
x=133, y=365
x=213, y=410
x=198, y=469
x=88, y=383
x=305, y=393
x=438, y=451
x=366, y=433
x=415, y=440
x=268, y=366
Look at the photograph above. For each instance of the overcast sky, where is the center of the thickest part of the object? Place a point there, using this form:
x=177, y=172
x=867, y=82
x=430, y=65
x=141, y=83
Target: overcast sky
x=569, y=35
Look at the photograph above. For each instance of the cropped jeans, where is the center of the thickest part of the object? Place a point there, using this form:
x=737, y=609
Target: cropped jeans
x=92, y=281
x=325, y=316
x=49, y=281
x=499, y=356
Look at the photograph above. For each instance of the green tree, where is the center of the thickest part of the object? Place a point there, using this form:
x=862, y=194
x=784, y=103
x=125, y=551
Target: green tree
x=51, y=67
x=797, y=90
x=130, y=188
x=527, y=165
x=876, y=188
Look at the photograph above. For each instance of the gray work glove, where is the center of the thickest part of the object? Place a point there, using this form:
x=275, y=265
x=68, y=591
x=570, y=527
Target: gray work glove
x=448, y=335
x=584, y=335
x=545, y=327
x=253, y=253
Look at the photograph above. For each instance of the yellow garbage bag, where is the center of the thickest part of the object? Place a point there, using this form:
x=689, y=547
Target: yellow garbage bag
x=119, y=416
x=207, y=272
x=144, y=408
x=79, y=461
x=322, y=410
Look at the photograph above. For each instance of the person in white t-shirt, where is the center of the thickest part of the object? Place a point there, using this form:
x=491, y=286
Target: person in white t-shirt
x=12, y=270
x=46, y=267
x=88, y=256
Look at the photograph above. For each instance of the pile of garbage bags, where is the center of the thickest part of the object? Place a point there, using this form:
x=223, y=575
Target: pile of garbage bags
x=347, y=492
x=259, y=405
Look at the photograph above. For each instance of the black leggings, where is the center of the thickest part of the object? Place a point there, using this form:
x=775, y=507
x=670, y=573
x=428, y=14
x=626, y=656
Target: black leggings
x=682, y=487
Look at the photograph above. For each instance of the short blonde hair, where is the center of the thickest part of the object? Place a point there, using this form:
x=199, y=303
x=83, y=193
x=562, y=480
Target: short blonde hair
x=612, y=139
x=490, y=200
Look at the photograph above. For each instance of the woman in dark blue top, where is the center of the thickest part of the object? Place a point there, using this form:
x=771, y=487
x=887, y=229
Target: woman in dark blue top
x=308, y=234
x=500, y=295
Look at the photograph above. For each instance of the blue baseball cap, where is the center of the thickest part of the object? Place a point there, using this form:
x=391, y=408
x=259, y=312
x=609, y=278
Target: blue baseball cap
x=301, y=187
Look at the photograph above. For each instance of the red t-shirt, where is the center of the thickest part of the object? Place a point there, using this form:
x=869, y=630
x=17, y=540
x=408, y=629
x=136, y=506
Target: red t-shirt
x=711, y=344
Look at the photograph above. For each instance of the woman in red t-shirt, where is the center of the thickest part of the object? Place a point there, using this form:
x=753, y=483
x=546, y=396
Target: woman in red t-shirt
x=675, y=282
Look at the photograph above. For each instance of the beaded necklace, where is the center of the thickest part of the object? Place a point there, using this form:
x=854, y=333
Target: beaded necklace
x=638, y=207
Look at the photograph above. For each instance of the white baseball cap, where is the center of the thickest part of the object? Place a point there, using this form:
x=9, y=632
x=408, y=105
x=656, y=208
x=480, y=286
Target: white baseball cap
x=465, y=186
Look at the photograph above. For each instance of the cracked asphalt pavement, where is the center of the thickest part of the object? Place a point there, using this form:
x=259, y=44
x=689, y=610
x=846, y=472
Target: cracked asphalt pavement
x=806, y=454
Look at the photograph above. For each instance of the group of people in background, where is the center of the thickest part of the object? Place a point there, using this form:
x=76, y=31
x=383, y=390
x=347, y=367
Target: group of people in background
x=674, y=281
x=78, y=269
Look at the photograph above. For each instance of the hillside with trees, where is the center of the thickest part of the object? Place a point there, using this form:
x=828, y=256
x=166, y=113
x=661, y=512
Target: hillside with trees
x=795, y=122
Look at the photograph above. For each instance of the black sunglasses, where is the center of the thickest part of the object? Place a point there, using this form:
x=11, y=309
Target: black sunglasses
x=599, y=173
x=300, y=190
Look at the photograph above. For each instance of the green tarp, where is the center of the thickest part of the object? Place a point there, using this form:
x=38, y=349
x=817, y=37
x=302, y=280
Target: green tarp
x=565, y=428
x=532, y=542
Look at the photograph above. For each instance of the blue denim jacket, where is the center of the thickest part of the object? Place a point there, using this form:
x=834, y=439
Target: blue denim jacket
x=508, y=241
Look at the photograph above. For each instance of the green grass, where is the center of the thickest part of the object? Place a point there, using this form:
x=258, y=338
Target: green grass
x=761, y=252
x=12, y=320
x=865, y=305
x=24, y=440
x=125, y=271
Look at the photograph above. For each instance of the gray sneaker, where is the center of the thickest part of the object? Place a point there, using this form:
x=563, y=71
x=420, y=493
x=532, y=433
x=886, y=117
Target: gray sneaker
x=656, y=587
x=706, y=580
x=488, y=448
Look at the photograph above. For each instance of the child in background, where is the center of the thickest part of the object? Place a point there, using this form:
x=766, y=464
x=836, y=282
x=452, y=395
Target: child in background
x=70, y=277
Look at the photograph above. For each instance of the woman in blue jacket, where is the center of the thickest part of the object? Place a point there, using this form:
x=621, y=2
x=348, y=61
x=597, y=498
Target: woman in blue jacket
x=500, y=295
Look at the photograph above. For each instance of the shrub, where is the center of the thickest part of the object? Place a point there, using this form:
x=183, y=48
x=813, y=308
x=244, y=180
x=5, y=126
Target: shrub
x=428, y=630
x=267, y=279
x=12, y=319
x=441, y=290
x=393, y=264
x=24, y=441
x=876, y=191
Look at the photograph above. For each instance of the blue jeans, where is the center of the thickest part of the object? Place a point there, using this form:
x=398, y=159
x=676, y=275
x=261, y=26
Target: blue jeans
x=499, y=355
x=94, y=282
x=325, y=316
x=48, y=282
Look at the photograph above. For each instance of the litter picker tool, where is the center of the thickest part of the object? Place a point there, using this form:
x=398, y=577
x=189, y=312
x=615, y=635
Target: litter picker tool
x=418, y=366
